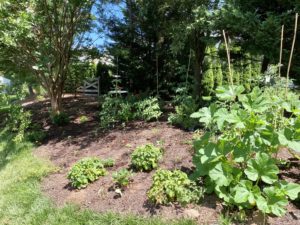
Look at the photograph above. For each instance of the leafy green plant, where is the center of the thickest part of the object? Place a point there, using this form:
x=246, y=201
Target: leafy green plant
x=236, y=155
x=85, y=171
x=173, y=186
x=122, y=177
x=15, y=119
x=60, y=119
x=83, y=119
x=148, y=109
x=183, y=110
x=117, y=110
x=108, y=162
x=146, y=157
x=35, y=134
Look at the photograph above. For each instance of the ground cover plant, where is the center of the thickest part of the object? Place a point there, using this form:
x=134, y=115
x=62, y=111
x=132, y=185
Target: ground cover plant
x=122, y=177
x=173, y=186
x=146, y=158
x=237, y=155
x=85, y=171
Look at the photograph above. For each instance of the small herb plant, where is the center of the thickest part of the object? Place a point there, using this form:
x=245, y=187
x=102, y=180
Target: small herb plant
x=108, y=162
x=83, y=119
x=86, y=171
x=146, y=158
x=173, y=186
x=60, y=119
x=122, y=177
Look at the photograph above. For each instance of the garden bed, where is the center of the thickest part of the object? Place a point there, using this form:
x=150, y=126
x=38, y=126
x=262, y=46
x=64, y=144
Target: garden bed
x=64, y=146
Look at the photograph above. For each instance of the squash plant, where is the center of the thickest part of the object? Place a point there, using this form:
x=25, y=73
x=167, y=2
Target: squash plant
x=85, y=171
x=146, y=157
x=237, y=155
x=173, y=186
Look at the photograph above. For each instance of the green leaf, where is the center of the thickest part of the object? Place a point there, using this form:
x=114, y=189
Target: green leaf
x=262, y=167
x=220, y=174
x=291, y=189
x=276, y=201
x=229, y=93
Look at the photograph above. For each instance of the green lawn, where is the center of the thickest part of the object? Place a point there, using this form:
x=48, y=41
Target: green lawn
x=21, y=200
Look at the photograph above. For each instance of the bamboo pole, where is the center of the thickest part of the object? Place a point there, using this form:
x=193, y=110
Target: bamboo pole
x=281, y=48
x=291, y=55
x=228, y=57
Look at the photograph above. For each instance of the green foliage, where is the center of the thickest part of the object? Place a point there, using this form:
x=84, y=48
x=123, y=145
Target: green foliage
x=235, y=156
x=185, y=105
x=83, y=119
x=16, y=119
x=146, y=157
x=85, y=171
x=148, y=109
x=117, y=110
x=108, y=162
x=173, y=186
x=122, y=177
x=60, y=119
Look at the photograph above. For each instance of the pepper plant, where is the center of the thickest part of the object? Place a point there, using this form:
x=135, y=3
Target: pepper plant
x=237, y=154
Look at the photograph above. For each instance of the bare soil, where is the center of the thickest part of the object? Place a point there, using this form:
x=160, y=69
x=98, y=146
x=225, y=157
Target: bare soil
x=66, y=145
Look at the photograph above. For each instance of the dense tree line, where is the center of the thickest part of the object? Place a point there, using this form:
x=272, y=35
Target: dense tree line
x=156, y=45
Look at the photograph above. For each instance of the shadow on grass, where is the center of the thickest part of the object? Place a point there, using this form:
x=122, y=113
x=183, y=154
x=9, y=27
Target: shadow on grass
x=9, y=148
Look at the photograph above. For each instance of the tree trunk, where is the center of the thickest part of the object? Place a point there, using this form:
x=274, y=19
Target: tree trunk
x=30, y=89
x=56, y=104
x=198, y=66
x=264, y=64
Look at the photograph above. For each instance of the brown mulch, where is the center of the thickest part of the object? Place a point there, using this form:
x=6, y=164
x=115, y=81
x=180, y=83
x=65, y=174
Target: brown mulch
x=66, y=145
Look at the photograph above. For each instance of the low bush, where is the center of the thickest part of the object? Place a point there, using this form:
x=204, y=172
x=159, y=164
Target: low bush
x=148, y=109
x=117, y=110
x=108, y=162
x=35, y=134
x=85, y=171
x=173, y=186
x=15, y=119
x=146, y=158
x=60, y=119
x=182, y=114
x=122, y=177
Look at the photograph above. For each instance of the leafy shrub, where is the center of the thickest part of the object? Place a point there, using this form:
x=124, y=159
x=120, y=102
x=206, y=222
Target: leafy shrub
x=173, y=186
x=35, y=134
x=183, y=110
x=146, y=157
x=60, y=119
x=148, y=109
x=116, y=110
x=16, y=119
x=108, y=162
x=85, y=171
x=235, y=155
x=122, y=177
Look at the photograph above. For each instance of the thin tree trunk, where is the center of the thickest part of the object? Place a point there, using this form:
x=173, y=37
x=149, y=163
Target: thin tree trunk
x=30, y=89
x=198, y=67
x=264, y=64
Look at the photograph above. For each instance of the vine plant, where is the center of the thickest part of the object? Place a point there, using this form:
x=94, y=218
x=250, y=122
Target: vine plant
x=237, y=156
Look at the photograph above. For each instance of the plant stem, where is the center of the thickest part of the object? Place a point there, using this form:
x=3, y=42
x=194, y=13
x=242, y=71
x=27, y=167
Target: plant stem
x=228, y=57
x=281, y=47
x=291, y=55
